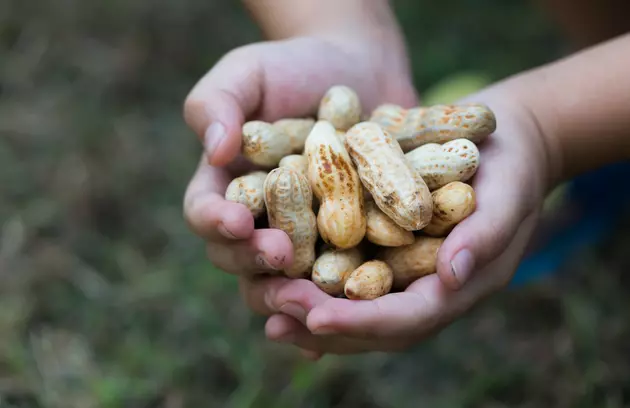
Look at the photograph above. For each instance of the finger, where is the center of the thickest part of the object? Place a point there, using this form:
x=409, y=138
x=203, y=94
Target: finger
x=266, y=251
x=280, y=328
x=285, y=329
x=218, y=104
x=271, y=295
x=423, y=309
x=207, y=212
x=503, y=200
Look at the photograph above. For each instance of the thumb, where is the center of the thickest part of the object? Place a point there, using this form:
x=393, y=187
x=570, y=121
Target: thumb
x=218, y=104
x=503, y=203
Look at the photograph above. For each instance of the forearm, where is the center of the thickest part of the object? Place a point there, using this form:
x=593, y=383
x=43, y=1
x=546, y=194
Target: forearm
x=344, y=20
x=582, y=104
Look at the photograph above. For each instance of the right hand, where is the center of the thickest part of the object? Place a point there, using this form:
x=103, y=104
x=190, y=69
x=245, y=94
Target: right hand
x=270, y=81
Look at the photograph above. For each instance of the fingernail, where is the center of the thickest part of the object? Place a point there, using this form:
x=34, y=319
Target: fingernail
x=462, y=265
x=224, y=231
x=294, y=310
x=214, y=135
x=261, y=261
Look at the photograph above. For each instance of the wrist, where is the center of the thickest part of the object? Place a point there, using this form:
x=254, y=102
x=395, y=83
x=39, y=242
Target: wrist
x=513, y=109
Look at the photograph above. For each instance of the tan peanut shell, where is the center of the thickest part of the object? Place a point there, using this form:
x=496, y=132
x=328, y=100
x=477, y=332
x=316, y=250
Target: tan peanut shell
x=296, y=162
x=341, y=217
x=288, y=198
x=264, y=144
x=382, y=230
x=369, y=281
x=411, y=262
x=394, y=185
x=341, y=107
x=390, y=117
x=457, y=160
x=435, y=124
x=297, y=129
x=451, y=205
x=248, y=190
x=333, y=267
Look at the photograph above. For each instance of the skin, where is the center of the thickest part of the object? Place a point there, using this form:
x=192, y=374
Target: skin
x=552, y=122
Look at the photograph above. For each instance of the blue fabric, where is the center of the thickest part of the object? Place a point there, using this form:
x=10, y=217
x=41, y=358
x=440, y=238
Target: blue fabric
x=602, y=196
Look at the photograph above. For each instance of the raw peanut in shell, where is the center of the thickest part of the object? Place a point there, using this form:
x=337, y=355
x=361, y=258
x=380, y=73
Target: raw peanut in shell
x=264, y=144
x=333, y=267
x=369, y=281
x=341, y=107
x=288, y=198
x=397, y=189
x=382, y=230
x=435, y=124
x=342, y=136
x=341, y=217
x=411, y=262
x=295, y=161
x=390, y=117
x=457, y=160
x=248, y=190
x=451, y=205
x=297, y=130
x=443, y=123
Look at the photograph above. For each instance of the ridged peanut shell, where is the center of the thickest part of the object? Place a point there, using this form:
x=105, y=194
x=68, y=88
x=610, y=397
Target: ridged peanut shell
x=249, y=191
x=394, y=185
x=411, y=262
x=297, y=129
x=341, y=107
x=296, y=162
x=264, y=144
x=457, y=160
x=341, y=217
x=333, y=268
x=451, y=205
x=369, y=281
x=443, y=123
x=288, y=198
x=382, y=230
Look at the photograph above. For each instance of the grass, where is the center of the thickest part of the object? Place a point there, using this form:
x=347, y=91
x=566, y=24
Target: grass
x=106, y=298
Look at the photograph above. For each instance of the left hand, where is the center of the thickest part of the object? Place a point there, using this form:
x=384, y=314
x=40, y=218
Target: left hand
x=478, y=258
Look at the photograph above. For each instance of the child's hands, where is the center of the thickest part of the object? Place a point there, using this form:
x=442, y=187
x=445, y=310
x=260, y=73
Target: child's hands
x=270, y=81
x=479, y=256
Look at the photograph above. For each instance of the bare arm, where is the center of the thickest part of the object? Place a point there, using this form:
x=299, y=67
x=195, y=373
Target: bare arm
x=345, y=20
x=582, y=104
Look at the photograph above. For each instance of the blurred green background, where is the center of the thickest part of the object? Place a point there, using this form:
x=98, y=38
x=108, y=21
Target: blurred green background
x=106, y=298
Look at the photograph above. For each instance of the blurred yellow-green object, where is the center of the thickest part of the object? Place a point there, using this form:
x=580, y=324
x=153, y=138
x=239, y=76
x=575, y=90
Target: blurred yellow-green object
x=454, y=87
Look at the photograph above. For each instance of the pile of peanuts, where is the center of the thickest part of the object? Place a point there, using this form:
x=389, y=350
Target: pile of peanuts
x=366, y=202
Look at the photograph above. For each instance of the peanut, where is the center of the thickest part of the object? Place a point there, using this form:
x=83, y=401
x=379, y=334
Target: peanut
x=336, y=184
x=264, y=144
x=341, y=135
x=333, y=267
x=288, y=198
x=451, y=205
x=395, y=186
x=248, y=190
x=297, y=130
x=457, y=160
x=341, y=107
x=383, y=231
x=295, y=161
x=411, y=262
x=369, y=281
x=435, y=124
